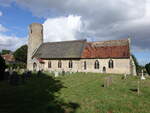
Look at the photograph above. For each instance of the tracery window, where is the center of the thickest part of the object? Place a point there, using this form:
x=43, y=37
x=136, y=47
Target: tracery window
x=49, y=64
x=96, y=65
x=59, y=64
x=70, y=64
x=111, y=64
x=84, y=65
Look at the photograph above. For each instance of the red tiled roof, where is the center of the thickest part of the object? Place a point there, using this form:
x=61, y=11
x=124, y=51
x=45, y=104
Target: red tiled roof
x=107, y=49
x=8, y=57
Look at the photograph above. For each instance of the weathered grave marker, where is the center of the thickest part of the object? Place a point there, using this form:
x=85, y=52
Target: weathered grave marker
x=125, y=76
x=56, y=74
x=108, y=81
x=142, y=77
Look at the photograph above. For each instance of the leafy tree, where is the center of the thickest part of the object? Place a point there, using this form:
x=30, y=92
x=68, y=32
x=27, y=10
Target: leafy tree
x=5, y=51
x=147, y=66
x=21, y=54
x=2, y=68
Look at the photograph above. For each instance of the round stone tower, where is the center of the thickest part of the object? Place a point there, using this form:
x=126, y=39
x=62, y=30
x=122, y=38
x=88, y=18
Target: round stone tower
x=34, y=41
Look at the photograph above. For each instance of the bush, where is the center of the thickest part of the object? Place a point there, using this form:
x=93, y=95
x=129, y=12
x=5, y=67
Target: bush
x=2, y=68
x=147, y=66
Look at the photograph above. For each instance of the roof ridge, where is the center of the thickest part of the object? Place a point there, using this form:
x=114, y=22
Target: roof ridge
x=111, y=40
x=84, y=40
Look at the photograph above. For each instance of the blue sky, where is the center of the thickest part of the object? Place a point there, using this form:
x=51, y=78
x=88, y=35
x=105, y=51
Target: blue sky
x=16, y=20
x=71, y=20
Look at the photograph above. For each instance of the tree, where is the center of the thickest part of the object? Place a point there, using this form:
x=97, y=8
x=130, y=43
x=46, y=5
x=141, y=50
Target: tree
x=136, y=64
x=2, y=68
x=139, y=68
x=5, y=51
x=21, y=54
x=147, y=66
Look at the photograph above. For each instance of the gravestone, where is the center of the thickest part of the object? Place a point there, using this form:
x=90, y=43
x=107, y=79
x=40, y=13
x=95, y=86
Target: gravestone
x=56, y=74
x=23, y=76
x=14, y=78
x=124, y=76
x=142, y=77
x=39, y=73
x=63, y=72
x=28, y=75
x=10, y=75
x=108, y=81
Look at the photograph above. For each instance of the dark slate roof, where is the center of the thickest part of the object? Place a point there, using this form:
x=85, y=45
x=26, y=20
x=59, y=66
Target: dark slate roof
x=65, y=49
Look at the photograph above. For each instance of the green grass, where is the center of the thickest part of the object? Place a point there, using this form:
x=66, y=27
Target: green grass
x=75, y=93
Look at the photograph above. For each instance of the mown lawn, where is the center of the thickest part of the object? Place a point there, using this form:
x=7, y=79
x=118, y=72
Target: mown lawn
x=75, y=93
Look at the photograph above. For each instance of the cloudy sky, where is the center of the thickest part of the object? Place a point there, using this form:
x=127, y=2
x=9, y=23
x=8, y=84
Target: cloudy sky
x=94, y=20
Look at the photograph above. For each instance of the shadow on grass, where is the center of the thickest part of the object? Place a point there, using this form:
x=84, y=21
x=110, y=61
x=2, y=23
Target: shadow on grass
x=134, y=90
x=37, y=95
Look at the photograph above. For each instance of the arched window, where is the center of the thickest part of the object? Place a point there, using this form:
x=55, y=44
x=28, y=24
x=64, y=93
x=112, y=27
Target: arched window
x=70, y=64
x=84, y=65
x=59, y=64
x=111, y=63
x=49, y=64
x=34, y=66
x=104, y=69
x=96, y=65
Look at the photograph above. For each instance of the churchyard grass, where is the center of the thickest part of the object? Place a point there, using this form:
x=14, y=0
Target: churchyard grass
x=84, y=91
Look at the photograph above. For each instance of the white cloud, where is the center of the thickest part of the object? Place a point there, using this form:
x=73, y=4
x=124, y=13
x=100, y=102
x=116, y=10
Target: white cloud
x=1, y=13
x=102, y=19
x=62, y=28
x=11, y=42
x=2, y=28
x=6, y=3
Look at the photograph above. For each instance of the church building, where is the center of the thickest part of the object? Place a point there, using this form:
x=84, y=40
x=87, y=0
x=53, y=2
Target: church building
x=111, y=56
